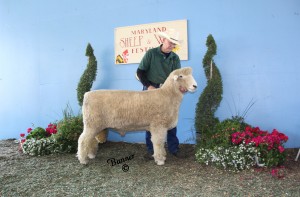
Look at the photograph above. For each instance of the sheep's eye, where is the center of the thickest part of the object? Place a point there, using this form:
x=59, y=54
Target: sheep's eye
x=180, y=76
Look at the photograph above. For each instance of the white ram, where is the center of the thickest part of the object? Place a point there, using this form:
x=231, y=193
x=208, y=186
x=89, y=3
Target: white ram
x=121, y=110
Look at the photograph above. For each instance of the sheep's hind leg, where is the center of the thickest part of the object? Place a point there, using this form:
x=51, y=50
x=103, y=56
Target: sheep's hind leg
x=93, y=148
x=158, y=140
x=87, y=145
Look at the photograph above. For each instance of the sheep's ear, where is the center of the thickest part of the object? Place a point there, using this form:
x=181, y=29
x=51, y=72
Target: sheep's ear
x=175, y=77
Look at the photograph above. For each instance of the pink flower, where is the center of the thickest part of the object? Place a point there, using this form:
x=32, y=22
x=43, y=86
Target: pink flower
x=274, y=171
x=281, y=149
x=22, y=135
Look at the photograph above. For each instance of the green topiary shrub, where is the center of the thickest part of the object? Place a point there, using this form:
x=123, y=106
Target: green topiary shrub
x=211, y=96
x=88, y=76
x=231, y=144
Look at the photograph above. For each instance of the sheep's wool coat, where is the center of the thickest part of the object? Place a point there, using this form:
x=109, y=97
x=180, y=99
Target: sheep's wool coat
x=121, y=110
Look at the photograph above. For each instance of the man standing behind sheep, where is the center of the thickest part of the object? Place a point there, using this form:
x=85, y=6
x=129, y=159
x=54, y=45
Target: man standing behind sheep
x=153, y=70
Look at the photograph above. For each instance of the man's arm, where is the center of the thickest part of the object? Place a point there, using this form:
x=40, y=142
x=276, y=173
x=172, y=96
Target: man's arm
x=177, y=63
x=143, y=77
x=141, y=71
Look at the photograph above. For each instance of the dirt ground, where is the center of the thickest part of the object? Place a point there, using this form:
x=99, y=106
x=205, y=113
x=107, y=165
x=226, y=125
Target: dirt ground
x=63, y=175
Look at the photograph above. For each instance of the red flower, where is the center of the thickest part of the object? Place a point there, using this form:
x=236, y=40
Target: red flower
x=51, y=129
x=278, y=172
x=29, y=130
x=265, y=142
x=22, y=135
x=23, y=140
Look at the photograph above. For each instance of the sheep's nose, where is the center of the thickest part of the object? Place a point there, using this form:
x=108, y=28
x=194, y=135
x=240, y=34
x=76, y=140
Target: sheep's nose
x=195, y=86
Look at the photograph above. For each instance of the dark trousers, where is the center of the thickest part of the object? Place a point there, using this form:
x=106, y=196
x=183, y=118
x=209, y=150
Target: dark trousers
x=172, y=141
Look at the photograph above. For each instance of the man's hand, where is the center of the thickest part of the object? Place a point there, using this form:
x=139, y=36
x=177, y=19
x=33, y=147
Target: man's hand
x=151, y=88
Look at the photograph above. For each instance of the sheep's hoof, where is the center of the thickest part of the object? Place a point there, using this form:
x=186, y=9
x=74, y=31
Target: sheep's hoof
x=160, y=163
x=91, y=156
x=83, y=160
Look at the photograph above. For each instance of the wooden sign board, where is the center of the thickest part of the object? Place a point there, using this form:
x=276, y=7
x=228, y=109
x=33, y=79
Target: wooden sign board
x=132, y=42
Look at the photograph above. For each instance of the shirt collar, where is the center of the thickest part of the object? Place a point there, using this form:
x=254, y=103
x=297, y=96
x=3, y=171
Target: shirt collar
x=159, y=51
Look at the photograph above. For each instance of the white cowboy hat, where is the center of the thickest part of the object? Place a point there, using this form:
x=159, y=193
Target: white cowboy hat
x=172, y=35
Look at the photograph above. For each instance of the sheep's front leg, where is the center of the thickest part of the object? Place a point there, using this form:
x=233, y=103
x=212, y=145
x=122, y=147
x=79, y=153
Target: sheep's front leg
x=158, y=138
x=87, y=145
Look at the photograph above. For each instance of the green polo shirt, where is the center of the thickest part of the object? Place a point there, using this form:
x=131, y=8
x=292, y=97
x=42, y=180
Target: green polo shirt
x=157, y=66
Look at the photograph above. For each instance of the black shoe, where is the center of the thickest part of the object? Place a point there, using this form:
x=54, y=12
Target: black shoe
x=179, y=155
x=148, y=156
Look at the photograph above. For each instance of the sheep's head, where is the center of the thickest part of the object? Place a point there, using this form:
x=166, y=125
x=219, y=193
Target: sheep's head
x=185, y=80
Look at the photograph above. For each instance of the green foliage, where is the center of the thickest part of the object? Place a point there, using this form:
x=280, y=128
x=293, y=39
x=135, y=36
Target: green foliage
x=64, y=140
x=231, y=144
x=89, y=50
x=221, y=134
x=211, y=96
x=270, y=157
x=37, y=133
x=210, y=53
x=218, y=149
x=69, y=130
x=88, y=76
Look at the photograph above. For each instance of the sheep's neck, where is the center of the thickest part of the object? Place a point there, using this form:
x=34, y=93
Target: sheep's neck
x=174, y=93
